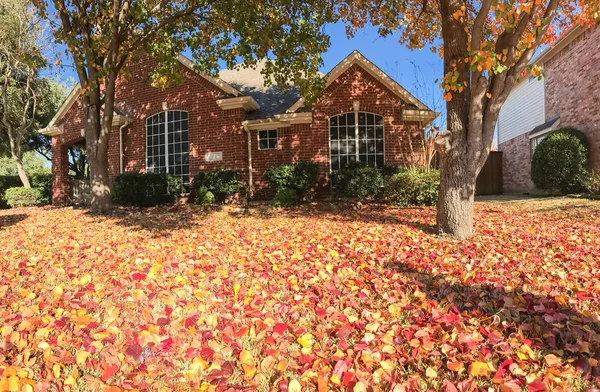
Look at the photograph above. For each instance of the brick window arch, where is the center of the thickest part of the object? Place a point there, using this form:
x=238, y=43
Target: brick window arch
x=356, y=137
x=167, y=145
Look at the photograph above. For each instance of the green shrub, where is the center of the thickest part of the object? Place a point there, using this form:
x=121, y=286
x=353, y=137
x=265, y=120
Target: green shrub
x=591, y=182
x=204, y=197
x=301, y=177
x=285, y=197
x=390, y=169
x=144, y=189
x=357, y=180
x=43, y=183
x=221, y=184
x=413, y=188
x=560, y=161
x=5, y=183
x=22, y=197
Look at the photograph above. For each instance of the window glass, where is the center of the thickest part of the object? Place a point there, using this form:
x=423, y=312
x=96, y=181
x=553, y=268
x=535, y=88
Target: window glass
x=267, y=140
x=356, y=137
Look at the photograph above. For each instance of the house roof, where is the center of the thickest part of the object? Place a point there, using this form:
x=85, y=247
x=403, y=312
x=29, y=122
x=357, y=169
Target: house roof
x=250, y=81
x=357, y=58
x=550, y=124
x=559, y=45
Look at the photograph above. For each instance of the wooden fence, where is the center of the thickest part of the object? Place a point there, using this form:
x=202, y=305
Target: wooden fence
x=81, y=191
x=489, y=181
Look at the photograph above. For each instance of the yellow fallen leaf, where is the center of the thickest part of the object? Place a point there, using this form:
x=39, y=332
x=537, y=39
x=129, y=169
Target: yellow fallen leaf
x=552, y=360
x=305, y=340
x=246, y=357
x=249, y=370
x=294, y=386
x=431, y=373
x=81, y=357
x=479, y=369
x=359, y=387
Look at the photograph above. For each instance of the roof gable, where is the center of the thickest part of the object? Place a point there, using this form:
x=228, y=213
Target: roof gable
x=357, y=58
x=74, y=95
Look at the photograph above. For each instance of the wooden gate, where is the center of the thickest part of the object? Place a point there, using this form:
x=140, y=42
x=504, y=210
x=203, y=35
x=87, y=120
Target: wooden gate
x=489, y=181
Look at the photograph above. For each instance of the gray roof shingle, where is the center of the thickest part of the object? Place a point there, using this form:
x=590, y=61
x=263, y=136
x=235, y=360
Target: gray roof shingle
x=272, y=100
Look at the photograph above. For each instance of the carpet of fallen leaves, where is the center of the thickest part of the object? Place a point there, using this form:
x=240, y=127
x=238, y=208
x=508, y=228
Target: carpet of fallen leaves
x=320, y=298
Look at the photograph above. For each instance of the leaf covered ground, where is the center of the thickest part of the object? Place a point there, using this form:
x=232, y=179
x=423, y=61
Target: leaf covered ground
x=319, y=298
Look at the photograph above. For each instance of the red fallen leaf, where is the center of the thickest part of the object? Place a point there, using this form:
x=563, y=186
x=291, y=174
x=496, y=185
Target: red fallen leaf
x=162, y=321
x=280, y=328
x=138, y=276
x=449, y=387
x=207, y=353
x=109, y=371
x=510, y=386
x=191, y=352
x=134, y=350
x=344, y=332
x=583, y=365
x=191, y=321
x=166, y=344
x=348, y=380
x=339, y=369
x=536, y=386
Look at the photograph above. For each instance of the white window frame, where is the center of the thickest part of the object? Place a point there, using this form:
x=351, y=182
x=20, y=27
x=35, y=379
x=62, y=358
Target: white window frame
x=534, y=142
x=268, y=138
x=166, y=136
x=356, y=134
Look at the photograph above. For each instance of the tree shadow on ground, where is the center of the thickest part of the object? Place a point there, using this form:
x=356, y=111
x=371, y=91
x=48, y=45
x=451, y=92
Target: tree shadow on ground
x=511, y=317
x=157, y=221
x=416, y=218
x=10, y=220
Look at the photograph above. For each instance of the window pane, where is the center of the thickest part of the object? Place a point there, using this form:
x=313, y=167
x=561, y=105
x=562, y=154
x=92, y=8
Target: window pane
x=262, y=134
x=379, y=160
x=335, y=163
x=370, y=119
x=263, y=144
x=362, y=158
x=351, y=132
x=273, y=143
x=371, y=132
x=379, y=120
x=335, y=147
x=333, y=121
x=379, y=146
x=333, y=133
x=362, y=147
x=362, y=120
x=379, y=132
x=161, y=117
x=362, y=132
x=342, y=120
x=350, y=118
x=352, y=147
x=273, y=134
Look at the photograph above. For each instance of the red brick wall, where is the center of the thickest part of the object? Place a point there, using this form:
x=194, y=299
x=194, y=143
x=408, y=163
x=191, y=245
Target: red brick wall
x=516, y=164
x=212, y=129
x=311, y=141
x=572, y=88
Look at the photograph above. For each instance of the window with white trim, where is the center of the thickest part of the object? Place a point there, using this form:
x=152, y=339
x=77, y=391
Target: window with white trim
x=267, y=140
x=167, y=145
x=356, y=137
x=536, y=142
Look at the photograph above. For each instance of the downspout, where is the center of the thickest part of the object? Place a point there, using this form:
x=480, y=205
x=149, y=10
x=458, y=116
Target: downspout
x=127, y=122
x=250, y=176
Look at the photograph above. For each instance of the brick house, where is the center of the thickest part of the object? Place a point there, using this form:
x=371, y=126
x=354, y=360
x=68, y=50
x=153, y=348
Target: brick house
x=235, y=122
x=568, y=96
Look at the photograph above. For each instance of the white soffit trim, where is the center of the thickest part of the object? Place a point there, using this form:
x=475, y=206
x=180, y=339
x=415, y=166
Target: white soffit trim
x=419, y=115
x=71, y=99
x=263, y=124
x=246, y=102
x=226, y=87
x=357, y=58
x=295, y=118
x=51, y=131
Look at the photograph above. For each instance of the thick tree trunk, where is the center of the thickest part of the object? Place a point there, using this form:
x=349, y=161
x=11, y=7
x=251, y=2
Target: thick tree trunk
x=97, y=154
x=456, y=196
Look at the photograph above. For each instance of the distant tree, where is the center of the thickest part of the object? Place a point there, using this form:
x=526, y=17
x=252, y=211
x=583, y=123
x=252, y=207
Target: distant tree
x=487, y=46
x=103, y=36
x=33, y=164
x=21, y=58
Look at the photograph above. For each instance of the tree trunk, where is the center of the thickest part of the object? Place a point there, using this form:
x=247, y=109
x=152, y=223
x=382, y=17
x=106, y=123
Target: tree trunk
x=456, y=196
x=97, y=154
x=22, y=174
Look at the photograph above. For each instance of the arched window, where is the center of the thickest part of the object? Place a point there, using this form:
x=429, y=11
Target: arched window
x=167, y=145
x=356, y=137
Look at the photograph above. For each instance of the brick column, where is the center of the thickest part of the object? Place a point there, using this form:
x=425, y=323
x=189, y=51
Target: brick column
x=60, y=171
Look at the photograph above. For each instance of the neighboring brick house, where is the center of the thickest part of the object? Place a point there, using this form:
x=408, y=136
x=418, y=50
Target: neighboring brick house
x=235, y=122
x=568, y=96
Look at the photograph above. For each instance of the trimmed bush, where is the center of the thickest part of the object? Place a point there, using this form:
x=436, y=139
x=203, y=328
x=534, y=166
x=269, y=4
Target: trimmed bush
x=413, y=188
x=22, y=197
x=301, y=177
x=559, y=162
x=285, y=197
x=221, y=184
x=204, y=196
x=390, y=169
x=5, y=183
x=43, y=183
x=145, y=189
x=357, y=180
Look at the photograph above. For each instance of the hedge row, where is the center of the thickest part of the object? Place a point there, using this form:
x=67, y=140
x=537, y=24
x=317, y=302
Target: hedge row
x=41, y=182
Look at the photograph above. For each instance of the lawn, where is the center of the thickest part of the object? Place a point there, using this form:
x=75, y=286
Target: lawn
x=317, y=298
